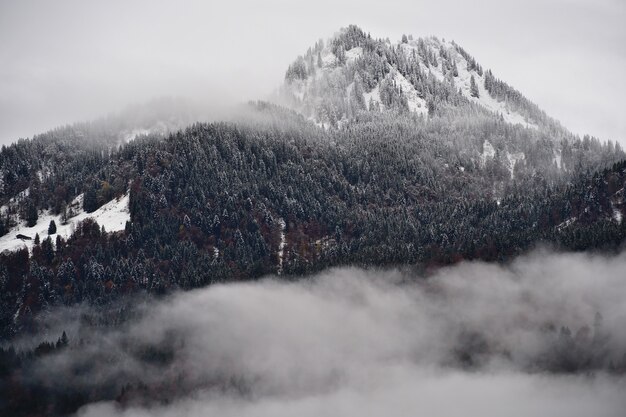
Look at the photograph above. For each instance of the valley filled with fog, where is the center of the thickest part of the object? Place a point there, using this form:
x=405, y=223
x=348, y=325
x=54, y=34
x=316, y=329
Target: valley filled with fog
x=542, y=335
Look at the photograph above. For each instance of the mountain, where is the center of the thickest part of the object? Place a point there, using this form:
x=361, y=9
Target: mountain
x=352, y=75
x=380, y=154
x=352, y=72
x=407, y=155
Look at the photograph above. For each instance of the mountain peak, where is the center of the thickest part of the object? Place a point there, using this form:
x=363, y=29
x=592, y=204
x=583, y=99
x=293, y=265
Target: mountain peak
x=352, y=72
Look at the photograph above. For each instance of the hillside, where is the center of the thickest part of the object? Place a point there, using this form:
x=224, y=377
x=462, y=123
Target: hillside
x=438, y=85
x=387, y=156
x=223, y=202
x=353, y=72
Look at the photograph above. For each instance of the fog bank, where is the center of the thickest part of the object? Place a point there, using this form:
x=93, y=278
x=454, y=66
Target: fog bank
x=541, y=336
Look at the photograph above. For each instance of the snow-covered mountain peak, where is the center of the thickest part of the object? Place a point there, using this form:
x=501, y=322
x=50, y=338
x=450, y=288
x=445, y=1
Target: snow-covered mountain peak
x=352, y=72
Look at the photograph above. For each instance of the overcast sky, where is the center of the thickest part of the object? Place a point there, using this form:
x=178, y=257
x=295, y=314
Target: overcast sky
x=67, y=61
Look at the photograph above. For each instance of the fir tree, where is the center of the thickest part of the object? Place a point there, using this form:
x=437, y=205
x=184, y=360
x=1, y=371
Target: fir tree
x=474, y=88
x=52, y=228
x=358, y=98
x=90, y=201
x=31, y=214
x=341, y=55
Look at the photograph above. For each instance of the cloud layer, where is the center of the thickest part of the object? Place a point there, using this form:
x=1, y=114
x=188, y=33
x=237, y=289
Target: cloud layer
x=541, y=336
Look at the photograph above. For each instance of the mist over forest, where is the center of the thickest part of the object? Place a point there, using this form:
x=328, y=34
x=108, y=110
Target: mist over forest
x=542, y=335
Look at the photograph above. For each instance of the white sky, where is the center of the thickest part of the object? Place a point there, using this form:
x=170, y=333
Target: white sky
x=67, y=61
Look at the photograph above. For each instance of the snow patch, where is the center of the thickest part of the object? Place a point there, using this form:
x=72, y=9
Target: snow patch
x=463, y=82
x=13, y=203
x=557, y=158
x=416, y=104
x=128, y=136
x=513, y=158
x=43, y=174
x=566, y=223
x=373, y=97
x=489, y=152
x=617, y=214
x=112, y=216
x=329, y=60
x=354, y=54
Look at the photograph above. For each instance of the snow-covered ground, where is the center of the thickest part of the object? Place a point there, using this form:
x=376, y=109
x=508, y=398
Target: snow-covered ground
x=113, y=216
x=416, y=104
x=462, y=81
x=513, y=158
x=329, y=60
x=129, y=135
x=566, y=223
x=160, y=127
x=489, y=152
x=14, y=201
x=304, y=90
x=617, y=216
x=557, y=158
x=353, y=54
x=617, y=213
x=373, y=97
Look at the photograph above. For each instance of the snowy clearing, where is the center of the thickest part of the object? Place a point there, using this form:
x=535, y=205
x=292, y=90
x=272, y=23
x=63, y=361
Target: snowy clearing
x=112, y=216
x=416, y=104
x=354, y=54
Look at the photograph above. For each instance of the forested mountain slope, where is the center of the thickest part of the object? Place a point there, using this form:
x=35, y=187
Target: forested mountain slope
x=386, y=157
x=353, y=72
x=439, y=85
x=221, y=202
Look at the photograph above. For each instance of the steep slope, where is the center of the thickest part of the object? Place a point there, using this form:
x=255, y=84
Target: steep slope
x=353, y=72
x=224, y=202
x=436, y=82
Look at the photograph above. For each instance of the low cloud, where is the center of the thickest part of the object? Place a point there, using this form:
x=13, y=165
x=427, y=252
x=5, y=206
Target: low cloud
x=543, y=335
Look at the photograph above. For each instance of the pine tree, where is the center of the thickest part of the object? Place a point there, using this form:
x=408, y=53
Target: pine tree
x=90, y=201
x=488, y=81
x=47, y=250
x=474, y=88
x=31, y=215
x=341, y=55
x=3, y=228
x=358, y=98
x=52, y=228
x=431, y=108
x=320, y=63
x=63, y=340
